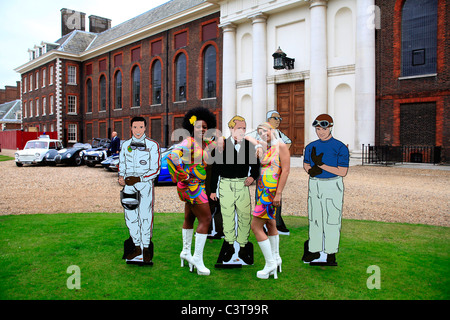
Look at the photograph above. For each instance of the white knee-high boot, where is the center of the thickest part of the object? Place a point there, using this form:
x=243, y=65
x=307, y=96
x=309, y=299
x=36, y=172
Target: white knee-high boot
x=271, y=265
x=197, y=259
x=275, y=244
x=187, y=242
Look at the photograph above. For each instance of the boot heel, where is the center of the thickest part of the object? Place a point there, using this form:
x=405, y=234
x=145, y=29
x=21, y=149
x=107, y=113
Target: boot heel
x=275, y=275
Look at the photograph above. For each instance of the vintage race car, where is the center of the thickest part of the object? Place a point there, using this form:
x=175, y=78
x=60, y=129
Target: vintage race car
x=97, y=153
x=72, y=156
x=35, y=150
x=108, y=162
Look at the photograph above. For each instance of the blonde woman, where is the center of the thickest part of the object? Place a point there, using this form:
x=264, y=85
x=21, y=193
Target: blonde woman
x=275, y=167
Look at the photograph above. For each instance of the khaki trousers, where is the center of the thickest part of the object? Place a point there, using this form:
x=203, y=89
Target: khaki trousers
x=325, y=199
x=235, y=201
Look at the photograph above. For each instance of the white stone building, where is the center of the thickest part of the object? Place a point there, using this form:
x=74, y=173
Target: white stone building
x=333, y=44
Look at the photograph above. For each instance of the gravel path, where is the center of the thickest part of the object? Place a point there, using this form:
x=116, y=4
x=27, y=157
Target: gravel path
x=390, y=194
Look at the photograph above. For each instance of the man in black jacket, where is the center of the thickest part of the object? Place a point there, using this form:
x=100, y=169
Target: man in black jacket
x=237, y=167
x=114, y=147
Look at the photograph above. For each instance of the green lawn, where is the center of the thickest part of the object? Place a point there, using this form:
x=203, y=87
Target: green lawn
x=5, y=158
x=36, y=250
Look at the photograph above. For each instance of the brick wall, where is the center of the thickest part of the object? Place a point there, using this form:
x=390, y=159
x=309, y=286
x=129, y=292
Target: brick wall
x=168, y=110
x=10, y=93
x=393, y=91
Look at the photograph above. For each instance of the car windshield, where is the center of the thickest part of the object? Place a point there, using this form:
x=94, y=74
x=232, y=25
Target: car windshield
x=96, y=143
x=36, y=145
x=82, y=145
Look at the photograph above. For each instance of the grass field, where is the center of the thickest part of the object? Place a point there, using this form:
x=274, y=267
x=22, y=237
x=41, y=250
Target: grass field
x=5, y=158
x=36, y=251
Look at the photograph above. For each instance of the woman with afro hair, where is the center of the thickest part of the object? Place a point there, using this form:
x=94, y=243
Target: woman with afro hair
x=187, y=166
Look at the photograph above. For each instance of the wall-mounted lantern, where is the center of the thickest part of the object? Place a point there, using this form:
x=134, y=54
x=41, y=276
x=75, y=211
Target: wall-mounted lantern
x=281, y=61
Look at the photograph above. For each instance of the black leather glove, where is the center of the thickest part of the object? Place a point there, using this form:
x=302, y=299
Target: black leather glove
x=317, y=159
x=314, y=171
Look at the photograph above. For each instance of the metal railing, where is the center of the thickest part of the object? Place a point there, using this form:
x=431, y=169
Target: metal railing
x=400, y=154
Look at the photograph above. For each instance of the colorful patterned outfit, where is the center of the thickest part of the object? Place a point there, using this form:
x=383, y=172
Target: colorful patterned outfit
x=187, y=166
x=267, y=184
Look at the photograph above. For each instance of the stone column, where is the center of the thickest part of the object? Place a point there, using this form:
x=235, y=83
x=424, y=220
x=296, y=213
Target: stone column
x=229, y=75
x=59, y=98
x=319, y=62
x=365, y=74
x=259, y=76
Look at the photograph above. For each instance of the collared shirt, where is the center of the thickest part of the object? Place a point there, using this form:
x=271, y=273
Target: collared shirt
x=237, y=145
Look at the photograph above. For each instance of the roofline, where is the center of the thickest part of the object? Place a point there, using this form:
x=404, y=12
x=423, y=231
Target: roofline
x=205, y=8
x=175, y=20
x=46, y=58
x=11, y=109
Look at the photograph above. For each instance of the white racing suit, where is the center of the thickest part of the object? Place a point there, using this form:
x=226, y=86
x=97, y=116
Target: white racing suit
x=143, y=162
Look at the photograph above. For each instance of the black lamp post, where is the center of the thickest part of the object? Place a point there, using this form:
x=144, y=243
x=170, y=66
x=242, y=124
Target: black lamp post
x=281, y=61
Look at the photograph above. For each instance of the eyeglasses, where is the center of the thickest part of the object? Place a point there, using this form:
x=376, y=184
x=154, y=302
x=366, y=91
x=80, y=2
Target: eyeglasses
x=139, y=146
x=322, y=123
x=276, y=118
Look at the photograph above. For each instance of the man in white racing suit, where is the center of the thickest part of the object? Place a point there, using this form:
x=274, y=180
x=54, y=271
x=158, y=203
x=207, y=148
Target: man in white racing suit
x=140, y=163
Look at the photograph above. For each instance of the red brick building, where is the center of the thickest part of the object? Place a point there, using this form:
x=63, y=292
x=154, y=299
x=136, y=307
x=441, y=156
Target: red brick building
x=156, y=65
x=10, y=93
x=413, y=74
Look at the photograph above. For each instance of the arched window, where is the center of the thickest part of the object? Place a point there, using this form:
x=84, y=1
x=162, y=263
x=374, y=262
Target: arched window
x=118, y=90
x=88, y=97
x=180, y=89
x=419, y=37
x=156, y=82
x=102, y=93
x=136, y=93
x=209, y=72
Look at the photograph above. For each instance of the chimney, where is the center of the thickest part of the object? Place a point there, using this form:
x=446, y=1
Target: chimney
x=71, y=20
x=98, y=24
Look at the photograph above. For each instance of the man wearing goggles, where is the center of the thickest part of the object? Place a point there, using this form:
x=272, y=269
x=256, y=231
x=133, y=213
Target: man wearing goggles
x=326, y=160
x=139, y=165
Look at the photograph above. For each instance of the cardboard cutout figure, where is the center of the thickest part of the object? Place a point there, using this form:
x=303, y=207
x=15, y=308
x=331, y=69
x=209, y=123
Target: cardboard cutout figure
x=216, y=228
x=187, y=166
x=326, y=160
x=237, y=168
x=140, y=163
x=274, y=119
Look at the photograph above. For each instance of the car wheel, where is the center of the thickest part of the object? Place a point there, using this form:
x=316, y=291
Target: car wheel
x=78, y=161
x=90, y=164
x=19, y=164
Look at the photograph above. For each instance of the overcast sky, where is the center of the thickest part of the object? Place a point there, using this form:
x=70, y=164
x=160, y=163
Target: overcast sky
x=25, y=23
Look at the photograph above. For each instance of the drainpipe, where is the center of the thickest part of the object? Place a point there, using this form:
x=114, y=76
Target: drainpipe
x=166, y=126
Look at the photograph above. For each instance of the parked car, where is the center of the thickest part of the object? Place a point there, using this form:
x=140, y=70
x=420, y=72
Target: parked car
x=109, y=160
x=114, y=165
x=164, y=175
x=107, y=163
x=72, y=156
x=35, y=150
x=97, y=153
